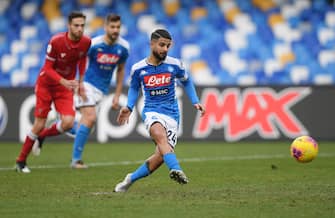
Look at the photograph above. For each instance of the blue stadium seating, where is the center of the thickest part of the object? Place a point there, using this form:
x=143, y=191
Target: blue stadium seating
x=283, y=42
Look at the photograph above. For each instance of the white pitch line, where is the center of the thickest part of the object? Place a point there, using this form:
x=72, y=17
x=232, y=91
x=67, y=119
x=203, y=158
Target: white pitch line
x=200, y=159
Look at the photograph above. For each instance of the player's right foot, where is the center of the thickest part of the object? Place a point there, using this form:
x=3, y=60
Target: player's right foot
x=37, y=146
x=124, y=185
x=22, y=167
x=79, y=164
x=179, y=176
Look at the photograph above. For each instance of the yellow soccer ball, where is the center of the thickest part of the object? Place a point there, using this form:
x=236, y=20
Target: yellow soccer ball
x=304, y=149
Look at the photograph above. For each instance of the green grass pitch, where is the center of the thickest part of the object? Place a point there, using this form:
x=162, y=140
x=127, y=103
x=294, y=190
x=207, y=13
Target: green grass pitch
x=257, y=179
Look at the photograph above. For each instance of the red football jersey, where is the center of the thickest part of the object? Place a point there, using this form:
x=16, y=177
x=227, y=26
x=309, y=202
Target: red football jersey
x=65, y=54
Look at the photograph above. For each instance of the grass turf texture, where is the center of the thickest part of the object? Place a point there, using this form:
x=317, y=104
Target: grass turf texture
x=226, y=180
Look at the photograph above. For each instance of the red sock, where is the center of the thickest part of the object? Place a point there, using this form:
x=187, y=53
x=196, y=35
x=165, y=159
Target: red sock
x=25, y=150
x=51, y=131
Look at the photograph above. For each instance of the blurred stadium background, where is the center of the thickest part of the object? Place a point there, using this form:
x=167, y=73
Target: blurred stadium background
x=222, y=42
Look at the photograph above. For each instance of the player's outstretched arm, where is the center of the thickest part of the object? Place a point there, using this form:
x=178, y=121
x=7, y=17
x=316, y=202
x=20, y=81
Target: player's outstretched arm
x=123, y=116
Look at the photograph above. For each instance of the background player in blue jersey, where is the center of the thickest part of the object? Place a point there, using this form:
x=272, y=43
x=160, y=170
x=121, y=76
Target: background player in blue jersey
x=107, y=53
x=157, y=76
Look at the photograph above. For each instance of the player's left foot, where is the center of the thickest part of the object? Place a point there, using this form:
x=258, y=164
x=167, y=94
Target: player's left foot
x=124, y=185
x=179, y=176
x=79, y=164
x=22, y=167
x=37, y=146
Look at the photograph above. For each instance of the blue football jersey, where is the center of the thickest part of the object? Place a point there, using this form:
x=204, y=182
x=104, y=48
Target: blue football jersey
x=158, y=85
x=103, y=59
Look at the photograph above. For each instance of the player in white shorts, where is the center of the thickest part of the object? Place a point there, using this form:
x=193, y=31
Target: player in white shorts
x=107, y=53
x=156, y=76
x=170, y=125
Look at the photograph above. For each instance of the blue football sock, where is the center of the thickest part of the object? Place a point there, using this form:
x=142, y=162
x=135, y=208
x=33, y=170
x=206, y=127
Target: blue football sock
x=171, y=161
x=141, y=172
x=79, y=142
x=74, y=128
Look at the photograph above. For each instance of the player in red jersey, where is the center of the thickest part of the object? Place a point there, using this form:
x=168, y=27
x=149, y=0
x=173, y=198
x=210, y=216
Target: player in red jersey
x=56, y=83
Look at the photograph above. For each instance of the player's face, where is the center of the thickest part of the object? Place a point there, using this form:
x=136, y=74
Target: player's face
x=160, y=48
x=112, y=30
x=76, y=28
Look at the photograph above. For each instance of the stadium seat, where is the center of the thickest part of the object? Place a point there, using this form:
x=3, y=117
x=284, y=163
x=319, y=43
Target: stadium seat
x=51, y=10
x=28, y=32
x=18, y=46
x=275, y=19
x=323, y=79
x=246, y=80
x=202, y=74
x=232, y=63
x=284, y=32
x=244, y=24
x=29, y=61
x=288, y=11
x=28, y=10
x=147, y=24
x=171, y=7
x=19, y=77
x=190, y=51
x=138, y=6
x=283, y=52
x=330, y=19
x=299, y=75
x=96, y=23
x=58, y=24
x=4, y=4
x=325, y=36
x=8, y=62
x=233, y=41
x=326, y=57
x=272, y=66
x=198, y=13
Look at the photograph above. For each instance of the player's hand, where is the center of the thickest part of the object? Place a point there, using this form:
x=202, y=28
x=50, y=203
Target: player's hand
x=81, y=91
x=123, y=116
x=200, y=108
x=115, y=103
x=69, y=84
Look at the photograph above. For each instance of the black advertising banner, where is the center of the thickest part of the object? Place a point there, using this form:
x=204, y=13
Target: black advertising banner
x=233, y=114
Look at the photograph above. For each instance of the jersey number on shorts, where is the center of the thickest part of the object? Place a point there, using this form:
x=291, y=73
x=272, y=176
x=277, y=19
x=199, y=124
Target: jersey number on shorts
x=171, y=136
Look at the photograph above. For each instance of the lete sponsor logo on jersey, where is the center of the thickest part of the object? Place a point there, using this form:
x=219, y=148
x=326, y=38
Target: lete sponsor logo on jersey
x=157, y=80
x=103, y=58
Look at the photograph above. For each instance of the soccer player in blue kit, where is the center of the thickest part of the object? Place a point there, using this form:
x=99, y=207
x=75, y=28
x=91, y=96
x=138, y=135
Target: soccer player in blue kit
x=107, y=53
x=157, y=76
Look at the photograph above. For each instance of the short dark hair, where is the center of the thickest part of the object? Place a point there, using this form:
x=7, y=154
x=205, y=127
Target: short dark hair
x=112, y=18
x=75, y=14
x=160, y=33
